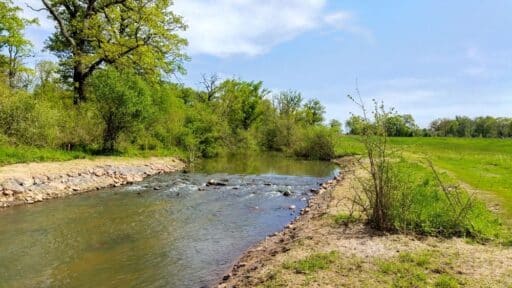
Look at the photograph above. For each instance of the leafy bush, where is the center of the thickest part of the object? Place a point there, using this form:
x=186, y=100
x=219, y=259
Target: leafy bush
x=316, y=143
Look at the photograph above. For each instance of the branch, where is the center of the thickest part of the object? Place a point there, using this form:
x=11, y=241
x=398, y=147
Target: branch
x=34, y=9
x=59, y=20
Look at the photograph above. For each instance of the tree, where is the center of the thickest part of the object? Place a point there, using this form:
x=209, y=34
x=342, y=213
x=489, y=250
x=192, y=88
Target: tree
x=464, y=126
x=123, y=102
x=46, y=72
x=313, y=112
x=288, y=102
x=138, y=34
x=355, y=125
x=12, y=40
x=239, y=102
x=336, y=126
x=211, y=86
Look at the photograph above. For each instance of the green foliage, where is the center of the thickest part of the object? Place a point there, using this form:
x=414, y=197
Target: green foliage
x=123, y=102
x=127, y=34
x=421, y=206
x=317, y=142
x=395, y=125
x=19, y=154
x=13, y=43
x=463, y=126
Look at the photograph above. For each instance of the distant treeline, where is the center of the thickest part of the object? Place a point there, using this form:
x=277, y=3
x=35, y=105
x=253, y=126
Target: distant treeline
x=460, y=126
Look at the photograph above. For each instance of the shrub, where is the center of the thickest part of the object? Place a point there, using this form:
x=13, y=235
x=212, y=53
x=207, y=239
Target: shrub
x=316, y=142
x=407, y=197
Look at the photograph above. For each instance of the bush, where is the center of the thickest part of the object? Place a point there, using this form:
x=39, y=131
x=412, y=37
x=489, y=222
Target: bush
x=407, y=197
x=315, y=142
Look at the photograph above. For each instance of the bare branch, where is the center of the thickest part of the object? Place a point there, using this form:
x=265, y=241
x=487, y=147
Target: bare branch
x=60, y=22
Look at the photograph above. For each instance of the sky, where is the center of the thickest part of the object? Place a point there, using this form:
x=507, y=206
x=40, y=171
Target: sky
x=428, y=58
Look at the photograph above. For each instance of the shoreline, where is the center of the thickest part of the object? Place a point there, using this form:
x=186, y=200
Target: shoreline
x=35, y=182
x=257, y=256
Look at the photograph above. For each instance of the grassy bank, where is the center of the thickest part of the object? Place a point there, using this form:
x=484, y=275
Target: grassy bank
x=327, y=248
x=26, y=154
x=484, y=164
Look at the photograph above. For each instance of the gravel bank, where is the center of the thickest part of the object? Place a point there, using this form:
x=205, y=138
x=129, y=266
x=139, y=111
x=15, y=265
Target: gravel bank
x=35, y=182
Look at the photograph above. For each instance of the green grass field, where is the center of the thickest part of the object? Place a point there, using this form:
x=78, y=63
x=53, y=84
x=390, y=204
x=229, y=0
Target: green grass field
x=484, y=164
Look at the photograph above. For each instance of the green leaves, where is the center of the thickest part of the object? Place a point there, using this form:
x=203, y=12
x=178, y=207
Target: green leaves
x=12, y=41
x=127, y=34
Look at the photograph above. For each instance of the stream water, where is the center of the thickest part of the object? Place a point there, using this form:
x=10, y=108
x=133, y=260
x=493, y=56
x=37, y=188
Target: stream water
x=170, y=230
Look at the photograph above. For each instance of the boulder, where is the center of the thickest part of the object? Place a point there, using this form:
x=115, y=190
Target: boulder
x=286, y=193
x=13, y=186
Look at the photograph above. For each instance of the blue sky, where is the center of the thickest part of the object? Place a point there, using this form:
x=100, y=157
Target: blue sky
x=427, y=58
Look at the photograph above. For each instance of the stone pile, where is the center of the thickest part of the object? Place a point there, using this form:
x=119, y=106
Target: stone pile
x=35, y=188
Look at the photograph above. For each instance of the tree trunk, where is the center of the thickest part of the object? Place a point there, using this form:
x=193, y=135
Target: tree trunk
x=79, y=84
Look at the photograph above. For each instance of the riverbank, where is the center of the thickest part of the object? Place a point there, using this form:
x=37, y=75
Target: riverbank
x=35, y=182
x=325, y=248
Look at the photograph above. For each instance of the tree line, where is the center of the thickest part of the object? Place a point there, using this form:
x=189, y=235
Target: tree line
x=111, y=89
x=461, y=126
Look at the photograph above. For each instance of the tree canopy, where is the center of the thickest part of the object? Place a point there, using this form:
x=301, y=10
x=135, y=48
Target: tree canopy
x=139, y=34
x=12, y=41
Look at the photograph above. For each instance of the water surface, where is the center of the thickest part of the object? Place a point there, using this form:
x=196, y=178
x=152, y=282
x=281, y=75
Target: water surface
x=167, y=231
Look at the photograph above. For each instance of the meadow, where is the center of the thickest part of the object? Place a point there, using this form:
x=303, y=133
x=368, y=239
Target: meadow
x=482, y=164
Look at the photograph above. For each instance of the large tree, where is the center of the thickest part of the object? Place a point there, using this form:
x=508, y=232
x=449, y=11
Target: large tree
x=12, y=41
x=140, y=34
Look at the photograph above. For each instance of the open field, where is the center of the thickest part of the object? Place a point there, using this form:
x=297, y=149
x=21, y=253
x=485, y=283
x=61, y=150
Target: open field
x=482, y=164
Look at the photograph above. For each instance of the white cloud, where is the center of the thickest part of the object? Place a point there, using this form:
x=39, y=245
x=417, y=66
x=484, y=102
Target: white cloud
x=234, y=27
x=345, y=21
x=250, y=27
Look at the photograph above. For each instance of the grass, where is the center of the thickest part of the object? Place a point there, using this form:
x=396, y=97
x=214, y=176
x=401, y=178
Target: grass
x=484, y=164
x=13, y=155
x=419, y=269
x=313, y=263
x=420, y=206
x=23, y=154
x=423, y=268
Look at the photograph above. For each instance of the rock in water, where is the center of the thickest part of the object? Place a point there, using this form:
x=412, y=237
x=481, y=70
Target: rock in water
x=287, y=193
x=213, y=182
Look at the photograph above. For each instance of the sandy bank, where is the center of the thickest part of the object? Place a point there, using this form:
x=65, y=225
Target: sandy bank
x=34, y=182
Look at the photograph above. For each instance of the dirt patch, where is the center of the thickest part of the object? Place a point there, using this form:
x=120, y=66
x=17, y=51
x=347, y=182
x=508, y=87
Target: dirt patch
x=34, y=182
x=365, y=257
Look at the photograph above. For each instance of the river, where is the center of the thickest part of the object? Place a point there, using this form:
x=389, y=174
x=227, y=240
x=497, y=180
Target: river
x=170, y=230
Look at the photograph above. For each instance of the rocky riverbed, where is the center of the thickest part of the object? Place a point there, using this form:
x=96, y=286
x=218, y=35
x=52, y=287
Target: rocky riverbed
x=35, y=182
